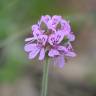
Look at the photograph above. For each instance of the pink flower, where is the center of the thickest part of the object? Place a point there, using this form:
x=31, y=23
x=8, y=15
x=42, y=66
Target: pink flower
x=51, y=40
x=38, y=47
x=55, y=40
x=54, y=22
x=59, y=51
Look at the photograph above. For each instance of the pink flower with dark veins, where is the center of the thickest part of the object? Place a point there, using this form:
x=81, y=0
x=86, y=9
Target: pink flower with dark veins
x=37, y=47
x=50, y=41
x=54, y=41
x=58, y=50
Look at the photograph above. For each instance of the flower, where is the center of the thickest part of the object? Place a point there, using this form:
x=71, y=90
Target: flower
x=54, y=40
x=37, y=47
x=50, y=40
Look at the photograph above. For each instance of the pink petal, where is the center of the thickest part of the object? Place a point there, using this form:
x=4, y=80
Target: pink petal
x=42, y=54
x=51, y=39
x=42, y=39
x=30, y=39
x=53, y=22
x=49, y=25
x=71, y=37
x=37, y=33
x=59, y=36
x=45, y=19
x=29, y=47
x=56, y=38
x=65, y=26
x=33, y=53
x=62, y=48
x=70, y=54
x=56, y=19
x=53, y=52
x=59, y=61
x=35, y=27
x=69, y=46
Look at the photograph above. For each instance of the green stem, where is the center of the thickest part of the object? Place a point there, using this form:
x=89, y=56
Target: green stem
x=45, y=78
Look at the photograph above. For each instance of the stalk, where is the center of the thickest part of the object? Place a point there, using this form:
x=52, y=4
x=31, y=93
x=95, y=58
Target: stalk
x=45, y=78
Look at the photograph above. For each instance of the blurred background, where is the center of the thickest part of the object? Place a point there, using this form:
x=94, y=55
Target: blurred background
x=22, y=77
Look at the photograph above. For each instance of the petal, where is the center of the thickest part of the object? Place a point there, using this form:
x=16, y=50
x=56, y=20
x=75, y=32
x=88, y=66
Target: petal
x=53, y=22
x=56, y=19
x=29, y=47
x=51, y=39
x=71, y=54
x=69, y=46
x=34, y=52
x=71, y=37
x=30, y=39
x=42, y=54
x=42, y=39
x=37, y=33
x=35, y=27
x=59, y=36
x=51, y=25
x=62, y=48
x=56, y=38
x=45, y=19
x=59, y=61
x=53, y=52
x=65, y=26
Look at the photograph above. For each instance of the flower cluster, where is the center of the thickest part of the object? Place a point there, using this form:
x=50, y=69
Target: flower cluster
x=51, y=36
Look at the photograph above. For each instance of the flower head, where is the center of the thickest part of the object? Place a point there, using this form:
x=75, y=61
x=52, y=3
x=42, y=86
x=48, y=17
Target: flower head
x=50, y=40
